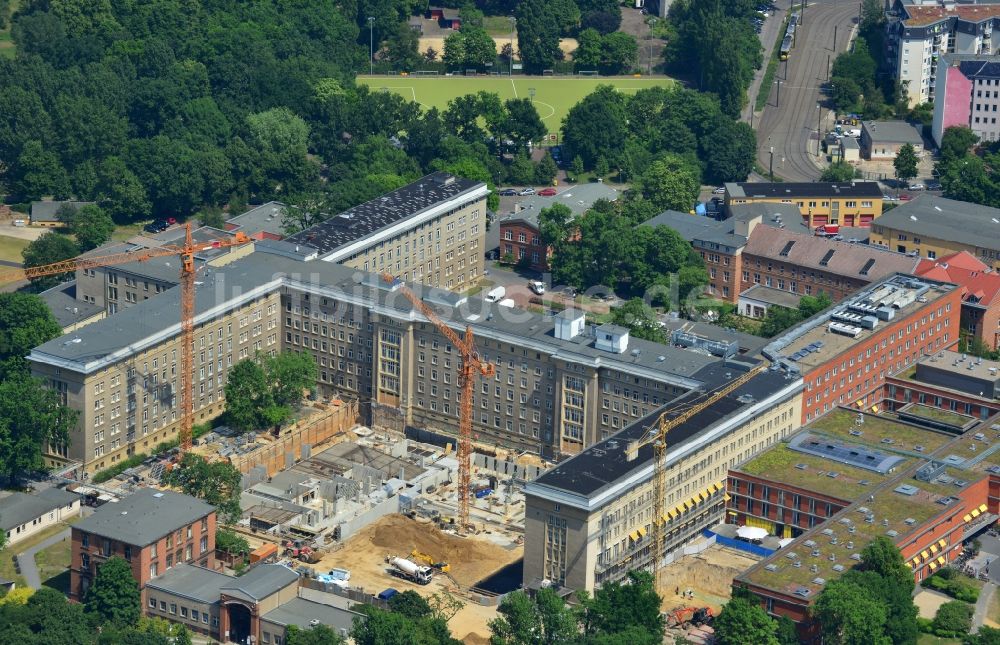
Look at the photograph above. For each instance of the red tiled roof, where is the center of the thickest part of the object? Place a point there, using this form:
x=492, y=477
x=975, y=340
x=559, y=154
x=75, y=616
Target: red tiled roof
x=964, y=269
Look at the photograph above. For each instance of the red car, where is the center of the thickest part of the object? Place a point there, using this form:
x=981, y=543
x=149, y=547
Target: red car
x=905, y=198
x=547, y=192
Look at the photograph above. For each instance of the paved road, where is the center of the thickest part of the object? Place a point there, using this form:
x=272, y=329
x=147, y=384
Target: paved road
x=791, y=126
x=985, y=594
x=26, y=560
x=768, y=36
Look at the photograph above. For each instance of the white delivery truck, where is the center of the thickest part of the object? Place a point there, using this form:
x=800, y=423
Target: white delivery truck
x=495, y=294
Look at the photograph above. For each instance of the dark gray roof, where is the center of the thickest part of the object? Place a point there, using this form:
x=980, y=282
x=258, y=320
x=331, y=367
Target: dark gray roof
x=261, y=581
x=67, y=310
x=46, y=211
x=115, y=337
x=605, y=463
x=265, y=218
x=302, y=613
x=372, y=216
x=946, y=219
x=974, y=66
x=749, y=344
x=792, y=190
x=197, y=583
x=698, y=228
x=579, y=199
x=894, y=132
x=19, y=508
x=144, y=516
x=287, y=249
x=772, y=296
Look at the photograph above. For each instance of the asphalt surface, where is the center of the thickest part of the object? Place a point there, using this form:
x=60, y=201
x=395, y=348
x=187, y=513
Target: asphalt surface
x=26, y=560
x=768, y=36
x=789, y=121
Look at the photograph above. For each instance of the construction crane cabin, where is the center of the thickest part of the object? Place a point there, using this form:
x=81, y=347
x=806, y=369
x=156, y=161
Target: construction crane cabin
x=186, y=252
x=472, y=365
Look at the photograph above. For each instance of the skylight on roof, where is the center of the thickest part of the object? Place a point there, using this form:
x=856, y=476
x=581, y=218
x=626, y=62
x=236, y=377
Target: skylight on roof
x=826, y=258
x=867, y=267
x=787, y=249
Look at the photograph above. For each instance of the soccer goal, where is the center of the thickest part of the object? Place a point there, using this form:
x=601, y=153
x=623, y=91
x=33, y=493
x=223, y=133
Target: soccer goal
x=548, y=72
x=587, y=72
x=426, y=72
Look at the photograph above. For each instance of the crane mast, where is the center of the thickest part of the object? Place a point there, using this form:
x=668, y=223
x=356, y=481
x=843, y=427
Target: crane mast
x=472, y=365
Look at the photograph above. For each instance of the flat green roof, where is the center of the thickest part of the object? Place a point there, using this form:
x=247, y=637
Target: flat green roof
x=878, y=431
x=781, y=464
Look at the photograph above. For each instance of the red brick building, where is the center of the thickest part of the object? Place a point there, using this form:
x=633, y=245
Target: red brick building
x=886, y=487
x=845, y=353
x=519, y=238
x=980, y=287
x=809, y=265
x=151, y=529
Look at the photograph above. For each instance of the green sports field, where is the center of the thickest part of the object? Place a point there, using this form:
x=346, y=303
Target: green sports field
x=554, y=95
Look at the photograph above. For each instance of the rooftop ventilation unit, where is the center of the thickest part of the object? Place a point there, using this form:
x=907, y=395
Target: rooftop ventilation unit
x=844, y=329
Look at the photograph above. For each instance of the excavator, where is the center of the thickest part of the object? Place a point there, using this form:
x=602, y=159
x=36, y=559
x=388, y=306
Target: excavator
x=443, y=567
x=697, y=616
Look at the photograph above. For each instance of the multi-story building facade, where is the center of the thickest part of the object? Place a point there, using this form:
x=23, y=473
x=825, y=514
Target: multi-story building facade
x=980, y=294
x=963, y=387
x=809, y=265
x=590, y=520
x=560, y=385
x=844, y=353
x=900, y=481
x=920, y=33
x=968, y=95
x=854, y=203
x=720, y=244
x=933, y=227
x=152, y=530
x=431, y=231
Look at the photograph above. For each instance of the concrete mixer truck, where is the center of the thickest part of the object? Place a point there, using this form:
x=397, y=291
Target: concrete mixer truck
x=409, y=570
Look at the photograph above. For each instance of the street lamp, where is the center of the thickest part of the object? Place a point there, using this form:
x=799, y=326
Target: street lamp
x=513, y=21
x=371, y=46
x=649, y=63
x=770, y=165
x=531, y=93
x=777, y=100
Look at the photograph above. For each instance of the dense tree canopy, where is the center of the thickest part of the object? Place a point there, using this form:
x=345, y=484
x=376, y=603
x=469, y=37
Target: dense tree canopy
x=25, y=323
x=32, y=416
x=262, y=392
x=217, y=482
x=114, y=597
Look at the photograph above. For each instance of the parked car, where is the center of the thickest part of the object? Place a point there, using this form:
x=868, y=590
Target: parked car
x=526, y=191
x=889, y=198
x=915, y=187
x=721, y=190
x=905, y=198
x=537, y=287
x=157, y=226
x=508, y=192
x=933, y=185
x=547, y=192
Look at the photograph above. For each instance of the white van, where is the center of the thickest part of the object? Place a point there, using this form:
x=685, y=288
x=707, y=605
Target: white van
x=495, y=294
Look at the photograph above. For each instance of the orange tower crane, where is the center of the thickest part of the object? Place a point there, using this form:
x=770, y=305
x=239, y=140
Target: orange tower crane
x=657, y=435
x=472, y=365
x=186, y=252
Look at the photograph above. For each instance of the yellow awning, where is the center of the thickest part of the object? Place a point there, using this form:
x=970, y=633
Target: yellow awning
x=908, y=565
x=875, y=409
x=975, y=512
x=686, y=505
x=967, y=518
x=715, y=487
x=642, y=531
x=634, y=535
x=916, y=561
x=727, y=498
x=934, y=548
x=861, y=403
x=982, y=508
x=701, y=496
x=933, y=566
x=671, y=514
x=925, y=555
x=941, y=559
x=943, y=543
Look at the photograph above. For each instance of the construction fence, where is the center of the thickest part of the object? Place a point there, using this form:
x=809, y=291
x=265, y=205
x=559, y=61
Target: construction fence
x=297, y=443
x=739, y=545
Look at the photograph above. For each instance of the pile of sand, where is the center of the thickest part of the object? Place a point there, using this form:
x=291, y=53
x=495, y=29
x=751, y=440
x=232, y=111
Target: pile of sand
x=471, y=559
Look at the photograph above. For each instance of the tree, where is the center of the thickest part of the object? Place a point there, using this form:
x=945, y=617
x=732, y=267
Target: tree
x=778, y=319
x=596, y=126
x=985, y=636
x=217, y=483
x=480, y=49
x=306, y=210
x=279, y=131
x=846, y=94
x=454, y=50
x=391, y=628
x=838, y=171
x=848, y=614
x=538, y=30
x=588, y=53
x=744, y=622
x=231, y=542
x=671, y=182
x=263, y=393
x=315, y=635
x=953, y=618
x=546, y=171
x=401, y=48
x=956, y=142
x=523, y=620
x=114, y=596
x=809, y=306
x=31, y=417
x=553, y=222
x=38, y=173
x=576, y=166
x=905, y=162
x=25, y=323
x=732, y=151
x=410, y=604
x=49, y=248
x=632, y=607
x=640, y=319
x=521, y=123
x=619, y=53
x=92, y=227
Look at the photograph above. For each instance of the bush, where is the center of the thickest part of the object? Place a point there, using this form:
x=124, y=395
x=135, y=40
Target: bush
x=951, y=583
x=110, y=473
x=925, y=625
x=953, y=619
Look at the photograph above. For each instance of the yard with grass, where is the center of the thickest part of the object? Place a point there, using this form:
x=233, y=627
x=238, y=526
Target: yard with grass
x=8, y=569
x=53, y=565
x=11, y=247
x=898, y=436
x=930, y=639
x=937, y=414
x=126, y=231
x=554, y=95
x=781, y=463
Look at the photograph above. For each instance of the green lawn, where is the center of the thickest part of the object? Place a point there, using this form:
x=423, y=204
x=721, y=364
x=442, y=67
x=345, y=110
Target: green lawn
x=930, y=639
x=499, y=26
x=53, y=565
x=123, y=233
x=11, y=247
x=6, y=45
x=554, y=95
x=7, y=569
x=936, y=414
